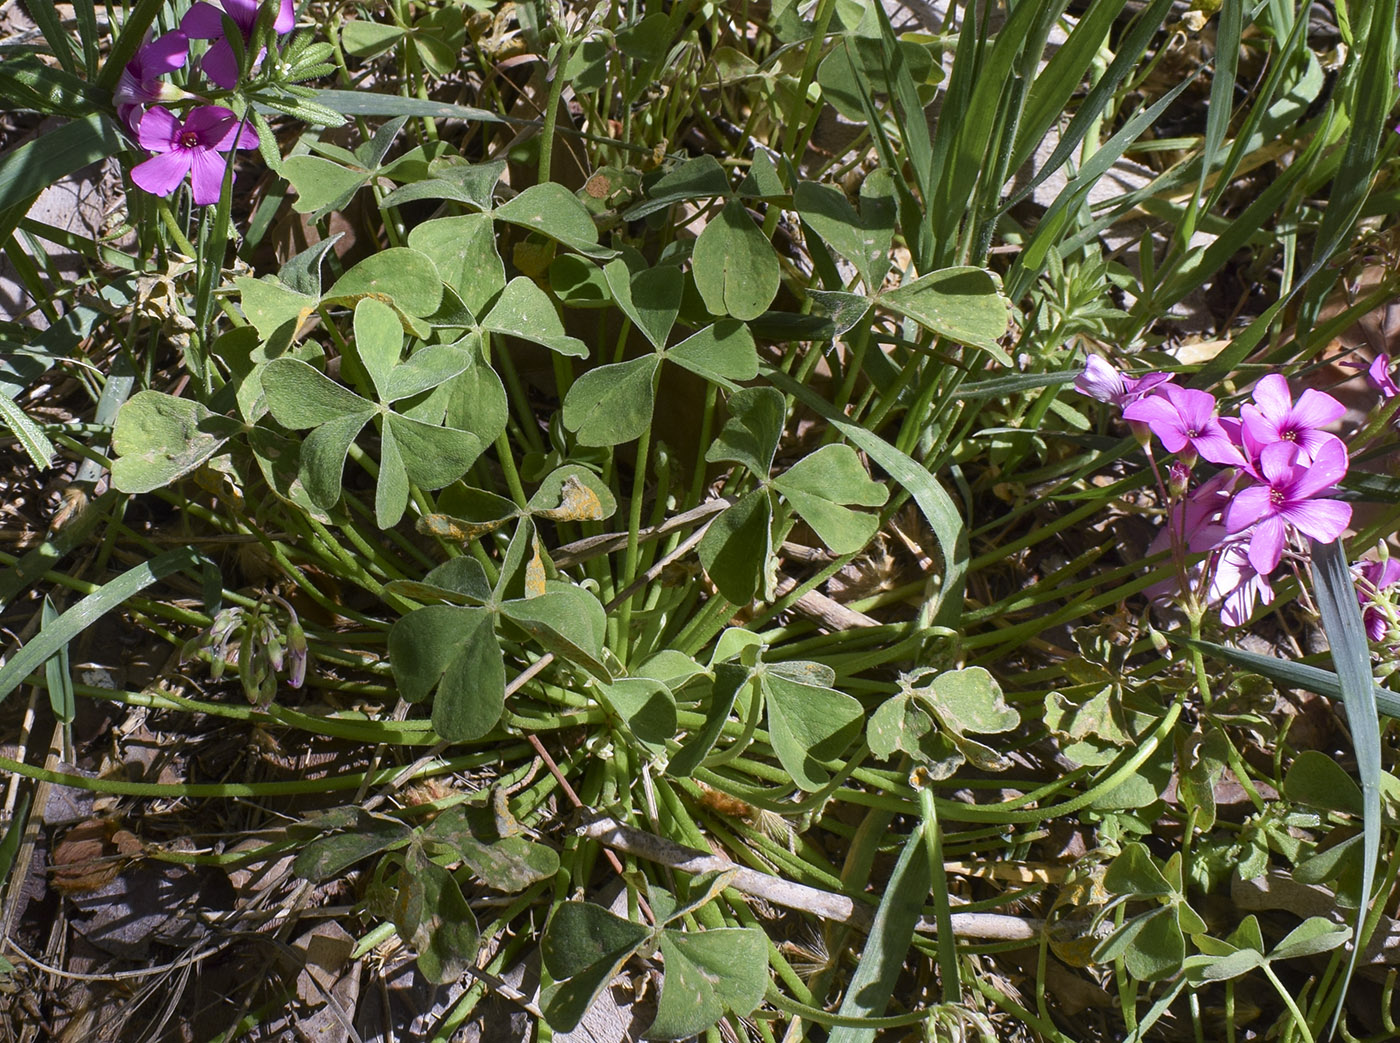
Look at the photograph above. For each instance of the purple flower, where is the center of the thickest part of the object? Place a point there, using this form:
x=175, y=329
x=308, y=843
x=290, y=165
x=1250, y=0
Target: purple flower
x=1276, y=418
x=1182, y=417
x=204, y=21
x=1287, y=497
x=192, y=147
x=1101, y=381
x=1374, y=577
x=141, y=84
x=1237, y=585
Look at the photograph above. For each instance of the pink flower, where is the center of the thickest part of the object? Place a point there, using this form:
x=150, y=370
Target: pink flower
x=1237, y=585
x=1374, y=577
x=1287, y=497
x=140, y=83
x=204, y=21
x=1182, y=417
x=192, y=147
x=1275, y=418
x=1101, y=381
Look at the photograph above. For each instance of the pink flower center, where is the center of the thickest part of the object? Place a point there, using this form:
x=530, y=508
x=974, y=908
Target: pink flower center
x=1277, y=497
x=1193, y=433
x=189, y=139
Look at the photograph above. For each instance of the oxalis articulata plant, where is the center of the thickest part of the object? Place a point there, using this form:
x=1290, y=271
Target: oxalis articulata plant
x=1232, y=531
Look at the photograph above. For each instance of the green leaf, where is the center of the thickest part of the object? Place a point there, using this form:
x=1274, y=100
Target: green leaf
x=1135, y=873
x=399, y=276
x=698, y=178
x=612, y=404
x=453, y=651
x=1151, y=945
x=834, y=221
x=269, y=305
x=365, y=39
x=58, y=674
x=378, y=342
x=651, y=298
x=427, y=368
x=566, y=620
x=555, y=213
x=323, y=455
x=750, y=435
x=431, y=915
x=326, y=857
x=1314, y=935
x=707, y=973
x=1318, y=781
x=720, y=353
x=464, y=250
x=817, y=484
x=31, y=436
x=432, y=455
x=524, y=310
x=391, y=487
x=584, y=946
x=321, y=185
x=963, y=304
x=729, y=679
x=300, y=396
x=898, y=725
x=646, y=706
x=735, y=268
x=511, y=864
x=159, y=438
x=970, y=700
x=1334, y=589
x=809, y=726
x=872, y=985
x=937, y=506
x=736, y=548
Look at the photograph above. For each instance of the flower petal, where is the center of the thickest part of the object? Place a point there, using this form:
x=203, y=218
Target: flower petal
x=160, y=175
x=1316, y=409
x=1248, y=507
x=286, y=18
x=1100, y=380
x=203, y=22
x=1266, y=548
x=163, y=54
x=1162, y=417
x=158, y=131
x=219, y=64
x=207, y=176
x=1323, y=520
x=1326, y=470
x=1273, y=397
x=210, y=124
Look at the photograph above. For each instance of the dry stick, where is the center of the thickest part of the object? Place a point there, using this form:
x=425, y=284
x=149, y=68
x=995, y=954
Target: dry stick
x=826, y=904
x=592, y=546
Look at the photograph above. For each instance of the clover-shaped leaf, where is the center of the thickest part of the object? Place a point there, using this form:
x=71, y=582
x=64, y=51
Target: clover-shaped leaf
x=160, y=438
x=432, y=916
x=750, y=435
x=555, y=213
x=612, y=404
x=464, y=250
x=820, y=484
x=735, y=267
x=706, y=974
x=300, y=396
x=810, y=726
x=524, y=310
x=646, y=706
x=738, y=546
x=583, y=948
x=963, y=304
x=452, y=653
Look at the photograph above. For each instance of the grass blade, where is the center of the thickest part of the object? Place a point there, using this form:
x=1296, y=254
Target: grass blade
x=873, y=982
x=31, y=435
x=1295, y=675
x=1335, y=592
x=66, y=627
